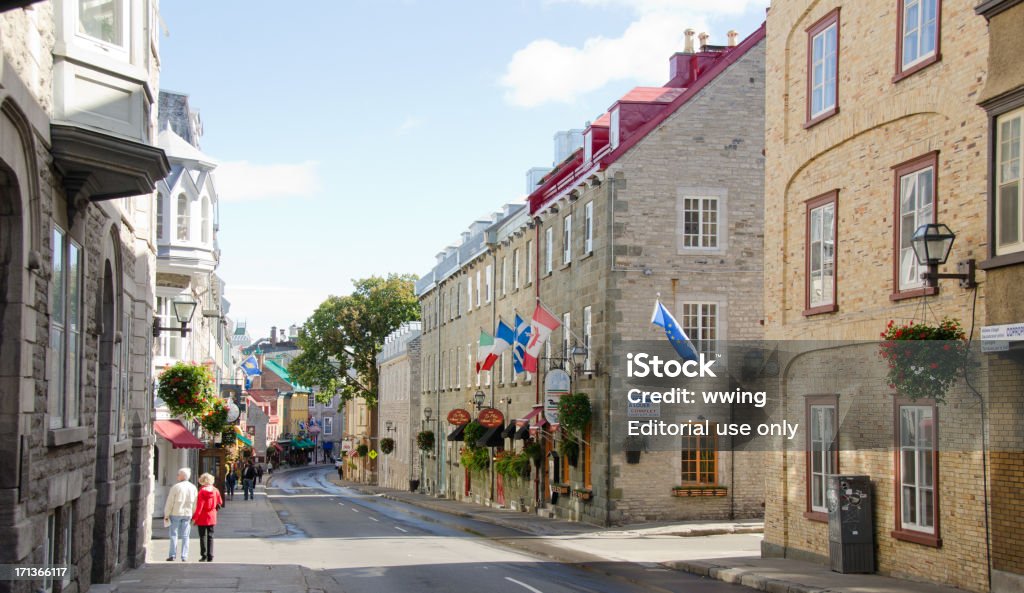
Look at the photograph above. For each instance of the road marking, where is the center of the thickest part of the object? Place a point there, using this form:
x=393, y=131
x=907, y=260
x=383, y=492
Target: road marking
x=400, y=529
x=372, y=519
x=355, y=509
x=341, y=503
x=523, y=585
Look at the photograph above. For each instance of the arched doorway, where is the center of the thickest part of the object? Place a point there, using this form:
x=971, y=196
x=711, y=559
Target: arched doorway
x=106, y=531
x=11, y=303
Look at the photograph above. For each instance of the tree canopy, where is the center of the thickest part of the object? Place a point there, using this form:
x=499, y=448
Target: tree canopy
x=341, y=339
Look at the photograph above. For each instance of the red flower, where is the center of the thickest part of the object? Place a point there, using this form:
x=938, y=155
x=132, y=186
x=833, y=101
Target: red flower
x=934, y=365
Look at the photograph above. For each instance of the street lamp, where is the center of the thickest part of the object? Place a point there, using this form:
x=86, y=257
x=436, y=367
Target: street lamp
x=427, y=412
x=932, y=244
x=182, y=312
x=478, y=399
x=390, y=426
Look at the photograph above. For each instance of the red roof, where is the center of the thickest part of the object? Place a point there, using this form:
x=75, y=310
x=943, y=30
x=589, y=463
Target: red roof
x=648, y=94
x=179, y=436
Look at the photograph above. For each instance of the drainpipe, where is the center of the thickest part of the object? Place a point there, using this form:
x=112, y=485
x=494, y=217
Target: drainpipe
x=437, y=393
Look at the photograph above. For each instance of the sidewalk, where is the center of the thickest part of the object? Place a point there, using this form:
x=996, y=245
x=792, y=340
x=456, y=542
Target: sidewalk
x=774, y=575
x=239, y=518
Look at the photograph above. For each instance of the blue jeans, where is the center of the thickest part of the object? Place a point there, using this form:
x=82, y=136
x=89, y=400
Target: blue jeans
x=179, y=528
x=247, y=489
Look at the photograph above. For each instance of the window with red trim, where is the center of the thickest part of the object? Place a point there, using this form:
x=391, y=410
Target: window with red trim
x=917, y=44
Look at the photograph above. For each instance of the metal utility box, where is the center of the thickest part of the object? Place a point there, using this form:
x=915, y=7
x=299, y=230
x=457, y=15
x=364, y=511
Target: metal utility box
x=851, y=528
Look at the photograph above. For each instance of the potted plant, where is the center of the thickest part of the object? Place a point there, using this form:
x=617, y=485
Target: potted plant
x=387, y=445
x=924, y=360
x=186, y=389
x=474, y=458
x=362, y=450
x=574, y=412
x=425, y=440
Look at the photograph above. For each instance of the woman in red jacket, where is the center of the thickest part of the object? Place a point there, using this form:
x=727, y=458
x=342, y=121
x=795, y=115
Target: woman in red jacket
x=205, y=515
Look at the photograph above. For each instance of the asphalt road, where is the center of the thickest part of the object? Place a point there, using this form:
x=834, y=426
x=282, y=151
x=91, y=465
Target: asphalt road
x=369, y=544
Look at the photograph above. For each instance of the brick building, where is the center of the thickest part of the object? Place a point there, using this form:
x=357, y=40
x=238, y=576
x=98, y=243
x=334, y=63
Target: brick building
x=663, y=197
x=861, y=151
x=78, y=165
x=398, y=405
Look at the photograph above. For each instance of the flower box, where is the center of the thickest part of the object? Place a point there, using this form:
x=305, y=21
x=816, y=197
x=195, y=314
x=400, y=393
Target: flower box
x=688, y=491
x=584, y=494
x=563, y=489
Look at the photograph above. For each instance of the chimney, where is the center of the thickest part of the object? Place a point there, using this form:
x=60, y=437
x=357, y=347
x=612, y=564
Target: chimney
x=703, y=40
x=732, y=37
x=689, y=40
x=273, y=335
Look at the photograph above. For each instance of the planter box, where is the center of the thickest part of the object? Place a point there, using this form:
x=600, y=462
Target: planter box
x=699, y=491
x=584, y=495
x=563, y=489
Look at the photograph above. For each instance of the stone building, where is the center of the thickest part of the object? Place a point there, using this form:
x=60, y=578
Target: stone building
x=665, y=196
x=78, y=165
x=186, y=227
x=398, y=405
x=862, y=150
x=1003, y=101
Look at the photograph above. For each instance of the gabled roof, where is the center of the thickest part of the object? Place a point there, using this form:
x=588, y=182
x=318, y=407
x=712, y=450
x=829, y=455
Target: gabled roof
x=177, y=148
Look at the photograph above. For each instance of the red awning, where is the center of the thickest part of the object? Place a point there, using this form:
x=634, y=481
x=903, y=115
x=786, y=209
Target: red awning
x=179, y=436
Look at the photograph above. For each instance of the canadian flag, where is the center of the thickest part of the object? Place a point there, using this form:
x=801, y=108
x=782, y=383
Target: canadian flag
x=541, y=326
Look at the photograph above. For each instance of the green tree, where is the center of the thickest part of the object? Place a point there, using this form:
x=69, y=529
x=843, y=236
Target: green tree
x=341, y=340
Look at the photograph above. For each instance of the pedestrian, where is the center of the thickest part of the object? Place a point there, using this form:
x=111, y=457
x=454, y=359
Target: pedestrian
x=259, y=473
x=229, y=482
x=205, y=515
x=248, y=480
x=181, y=503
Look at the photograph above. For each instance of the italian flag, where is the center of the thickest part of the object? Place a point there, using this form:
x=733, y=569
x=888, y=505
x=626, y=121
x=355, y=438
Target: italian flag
x=541, y=326
x=484, y=350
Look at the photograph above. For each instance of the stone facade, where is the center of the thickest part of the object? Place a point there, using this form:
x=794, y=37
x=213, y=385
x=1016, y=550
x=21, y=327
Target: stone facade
x=622, y=246
x=77, y=269
x=890, y=135
x=398, y=402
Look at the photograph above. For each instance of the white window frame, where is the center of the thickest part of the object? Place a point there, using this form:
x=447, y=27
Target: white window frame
x=183, y=223
x=529, y=262
x=161, y=208
x=567, y=240
x=504, y=275
x=469, y=293
x=566, y=334
x=328, y=425
x=549, y=247
x=587, y=341
x=822, y=453
x=515, y=269
x=708, y=231
x=478, y=291
x=588, y=228
x=915, y=29
x=818, y=281
x=911, y=216
x=613, y=127
x=920, y=485
x=206, y=232
x=694, y=319
x=169, y=341
x=122, y=8
x=1009, y=179
x=67, y=318
x=489, y=276
x=824, y=60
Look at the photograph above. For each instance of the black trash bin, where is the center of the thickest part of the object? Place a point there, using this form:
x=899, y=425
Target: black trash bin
x=851, y=526
x=414, y=485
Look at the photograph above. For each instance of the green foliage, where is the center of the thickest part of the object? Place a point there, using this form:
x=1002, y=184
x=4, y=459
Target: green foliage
x=924, y=360
x=215, y=418
x=362, y=450
x=474, y=458
x=535, y=451
x=574, y=412
x=473, y=432
x=512, y=465
x=425, y=440
x=569, y=448
x=187, y=389
x=341, y=340
x=387, y=446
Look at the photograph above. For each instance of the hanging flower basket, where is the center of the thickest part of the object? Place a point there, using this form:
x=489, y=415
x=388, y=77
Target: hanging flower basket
x=186, y=389
x=569, y=448
x=425, y=440
x=362, y=450
x=574, y=412
x=924, y=360
x=475, y=459
x=214, y=419
x=387, y=446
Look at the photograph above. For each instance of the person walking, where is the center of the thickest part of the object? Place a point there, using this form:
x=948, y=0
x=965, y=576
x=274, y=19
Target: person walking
x=205, y=515
x=229, y=483
x=248, y=480
x=259, y=473
x=181, y=503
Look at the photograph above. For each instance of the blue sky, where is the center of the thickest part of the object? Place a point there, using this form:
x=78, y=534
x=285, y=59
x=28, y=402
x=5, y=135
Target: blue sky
x=360, y=137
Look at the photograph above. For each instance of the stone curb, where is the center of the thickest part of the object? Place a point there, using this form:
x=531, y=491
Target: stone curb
x=745, y=577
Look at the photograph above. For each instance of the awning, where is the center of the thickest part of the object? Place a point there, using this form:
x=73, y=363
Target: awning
x=179, y=436
x=245, y=440
x=491, y=438
x=303, y=444
x=510, y=430
x=456, y=435
x=523, y=433
x=276, y=446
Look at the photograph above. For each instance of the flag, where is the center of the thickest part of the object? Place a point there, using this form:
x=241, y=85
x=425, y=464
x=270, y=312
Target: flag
x=483, y=349
x=251, y=366
x=541, y=326
x=522, y=339
x=674, y=332
x=248, y=382
x=503, y=338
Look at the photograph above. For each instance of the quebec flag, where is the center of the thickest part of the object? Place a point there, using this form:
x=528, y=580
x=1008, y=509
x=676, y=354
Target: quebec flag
x=675, y=334
x=522, y=339
x=251, y=366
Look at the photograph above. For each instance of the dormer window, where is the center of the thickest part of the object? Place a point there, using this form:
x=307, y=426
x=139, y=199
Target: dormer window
x=613, y=128
x=588, y=146
x=104, y=21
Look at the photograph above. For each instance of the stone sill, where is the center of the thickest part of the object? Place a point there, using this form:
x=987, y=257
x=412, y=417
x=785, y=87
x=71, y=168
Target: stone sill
x=58, y=437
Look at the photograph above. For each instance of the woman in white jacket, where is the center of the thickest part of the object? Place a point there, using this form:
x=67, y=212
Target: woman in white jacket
x=181, y=503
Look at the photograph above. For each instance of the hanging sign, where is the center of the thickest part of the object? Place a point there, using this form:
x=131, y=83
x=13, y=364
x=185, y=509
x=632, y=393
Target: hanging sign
x=556, y=384
x=459, y=417
x=491, y=418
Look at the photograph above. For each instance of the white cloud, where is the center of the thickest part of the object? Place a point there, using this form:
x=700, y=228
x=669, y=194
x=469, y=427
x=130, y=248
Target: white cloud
x=547, y=71
x=411, y=123
x=239, y=181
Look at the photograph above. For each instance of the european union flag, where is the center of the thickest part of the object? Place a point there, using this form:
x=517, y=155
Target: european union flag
x=251, y=366
x=675, y=334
